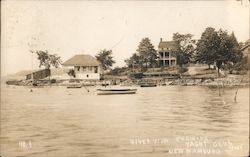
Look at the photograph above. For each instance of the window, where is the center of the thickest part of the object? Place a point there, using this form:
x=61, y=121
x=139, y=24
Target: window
x=167, y=54
x=77, y=68
x=87, y=75
x=96, y=69
x=161, y=54
x=83, y=68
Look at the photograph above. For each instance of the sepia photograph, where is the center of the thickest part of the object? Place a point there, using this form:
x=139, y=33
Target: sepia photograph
x=125, y=78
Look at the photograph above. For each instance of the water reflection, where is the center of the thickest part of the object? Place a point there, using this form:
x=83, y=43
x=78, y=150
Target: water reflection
x=218, y=109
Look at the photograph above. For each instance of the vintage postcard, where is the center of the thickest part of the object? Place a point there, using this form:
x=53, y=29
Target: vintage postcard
x=124, y=78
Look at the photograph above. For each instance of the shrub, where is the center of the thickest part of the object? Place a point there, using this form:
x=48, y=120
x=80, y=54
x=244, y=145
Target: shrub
x=72, y=73
x=53, y=81
x=182, y=70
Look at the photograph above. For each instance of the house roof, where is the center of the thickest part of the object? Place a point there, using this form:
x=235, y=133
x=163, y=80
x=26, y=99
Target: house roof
x=166, y=44
x=81, y=60
x=244, y=47
x=247, y=44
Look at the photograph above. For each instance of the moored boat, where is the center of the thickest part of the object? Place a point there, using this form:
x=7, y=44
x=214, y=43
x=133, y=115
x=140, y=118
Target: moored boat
x=74, y=86
x=148, y=84
x=115, y=91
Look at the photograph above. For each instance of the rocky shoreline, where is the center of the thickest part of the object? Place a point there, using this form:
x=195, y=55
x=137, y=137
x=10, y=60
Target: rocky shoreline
x=185, y=81
x=218, y=82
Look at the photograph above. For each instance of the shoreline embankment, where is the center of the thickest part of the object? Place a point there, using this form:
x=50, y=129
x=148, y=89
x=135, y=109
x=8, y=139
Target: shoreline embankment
x=230, y=81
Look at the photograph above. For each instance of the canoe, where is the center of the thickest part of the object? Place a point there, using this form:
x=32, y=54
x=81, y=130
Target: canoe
x=115, y=91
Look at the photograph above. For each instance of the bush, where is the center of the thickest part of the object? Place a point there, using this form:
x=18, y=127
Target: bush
x=72, y=73
x=53, y=81
x=137, y=75
x=242, y=65
x=119, y=71
x=101, y=77
x=182, y=70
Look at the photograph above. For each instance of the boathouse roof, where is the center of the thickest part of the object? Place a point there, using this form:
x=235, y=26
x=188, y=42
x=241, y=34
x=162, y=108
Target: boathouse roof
x=81, y=60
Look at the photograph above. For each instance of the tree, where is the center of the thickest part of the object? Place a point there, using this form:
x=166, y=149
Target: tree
x=147, y=53
x=207, y=46
x=133, y=61
x=47, y=60
x=218, y=47
x=105, y=58
x=236, y=55
x=184, y=47
x=228, y=50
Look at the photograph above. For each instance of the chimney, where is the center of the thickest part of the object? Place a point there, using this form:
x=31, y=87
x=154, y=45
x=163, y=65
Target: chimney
x=161, y=39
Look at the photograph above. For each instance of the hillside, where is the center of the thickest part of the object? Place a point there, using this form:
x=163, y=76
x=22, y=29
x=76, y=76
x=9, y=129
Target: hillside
x=22, y=74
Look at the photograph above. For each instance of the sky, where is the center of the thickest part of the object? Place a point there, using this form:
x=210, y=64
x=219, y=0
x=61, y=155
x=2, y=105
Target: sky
x=75, y=27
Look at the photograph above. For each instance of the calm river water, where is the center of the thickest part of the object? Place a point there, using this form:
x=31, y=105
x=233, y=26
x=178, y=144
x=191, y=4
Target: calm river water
x=170, y=121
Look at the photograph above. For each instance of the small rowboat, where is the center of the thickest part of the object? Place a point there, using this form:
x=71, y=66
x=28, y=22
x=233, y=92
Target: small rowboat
x=74, y=86
x=148, y=84
x=115, y=91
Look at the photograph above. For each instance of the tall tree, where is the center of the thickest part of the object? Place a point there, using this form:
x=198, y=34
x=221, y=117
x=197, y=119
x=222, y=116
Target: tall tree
x=47, y=60
x=228, y=50
x=147, y=53
x=236, y=55
x=218, y=47
x=207, y=46
x=185, y=47
x=105, y=58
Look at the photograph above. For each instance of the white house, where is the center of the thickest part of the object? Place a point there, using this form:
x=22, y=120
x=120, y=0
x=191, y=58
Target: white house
x=85, y=67
x=166, y=55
